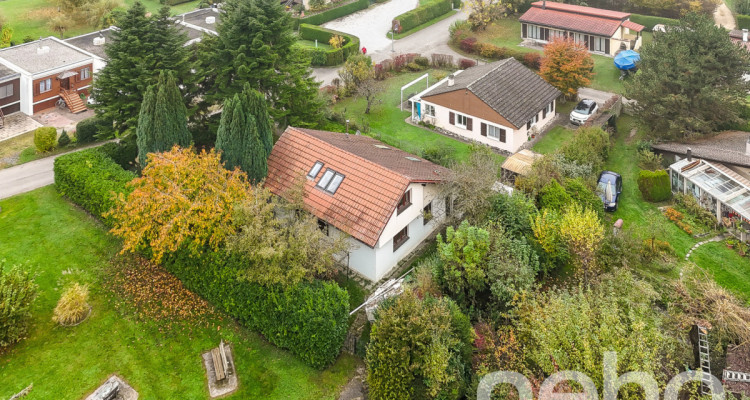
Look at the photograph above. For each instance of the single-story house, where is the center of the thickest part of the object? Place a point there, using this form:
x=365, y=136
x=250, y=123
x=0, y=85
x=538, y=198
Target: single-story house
x=501, y=104
x=50, y=69
x=731, y=149
x=602, y=31
x=386, y=200
x=10, y=91
x=94, y=43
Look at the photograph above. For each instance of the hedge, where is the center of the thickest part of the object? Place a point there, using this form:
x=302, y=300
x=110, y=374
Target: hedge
x=173, y=2
x=310, y=320
x=87, y=129
x=649, y=21
x=654, y=185
x=743, y=21
x=90, y=178
x=332, y=14
x=422, y=14
x=320, y=57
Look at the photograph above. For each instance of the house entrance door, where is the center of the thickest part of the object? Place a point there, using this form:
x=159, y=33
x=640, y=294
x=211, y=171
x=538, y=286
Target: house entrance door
x=65, y=83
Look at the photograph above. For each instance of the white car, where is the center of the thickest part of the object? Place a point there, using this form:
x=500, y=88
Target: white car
x=583, y=111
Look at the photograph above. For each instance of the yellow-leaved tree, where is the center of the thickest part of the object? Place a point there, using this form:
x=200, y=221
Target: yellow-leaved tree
x=566, y=65
x=582, y=232
x=183, y=199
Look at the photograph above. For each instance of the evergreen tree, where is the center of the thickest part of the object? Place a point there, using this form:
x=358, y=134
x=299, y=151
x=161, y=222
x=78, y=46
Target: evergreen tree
x=690, y=80
x=243, y=133
x=137, y=51
x=254, y=47
x=162, y=122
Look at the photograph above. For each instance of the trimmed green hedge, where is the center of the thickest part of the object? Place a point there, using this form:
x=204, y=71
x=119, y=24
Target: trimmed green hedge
x=331, y=57
x=87, y=129
x=90, y=178
x=654, y=185
x=743, y=21
x=333, y=13
x=649, y=21
x=311, y=320
x=422, y=14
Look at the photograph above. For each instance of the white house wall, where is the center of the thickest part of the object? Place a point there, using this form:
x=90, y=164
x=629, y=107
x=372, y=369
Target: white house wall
x=27, y=95
x=515, y=138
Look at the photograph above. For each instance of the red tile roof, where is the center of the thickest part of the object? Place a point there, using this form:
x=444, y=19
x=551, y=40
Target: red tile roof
x=575, y=18
x=633, y=26
x=375, y=178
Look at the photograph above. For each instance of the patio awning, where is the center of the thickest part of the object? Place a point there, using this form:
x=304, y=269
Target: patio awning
x=716, y=180
x=520, y=163
x=67, y=74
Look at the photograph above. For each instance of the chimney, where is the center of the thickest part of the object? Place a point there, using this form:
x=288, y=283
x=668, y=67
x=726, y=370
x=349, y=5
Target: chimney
x=99, y=41
x=689, y=154
x=544, y=4
x=451, y=82
x=210, y=20
x=744, y=35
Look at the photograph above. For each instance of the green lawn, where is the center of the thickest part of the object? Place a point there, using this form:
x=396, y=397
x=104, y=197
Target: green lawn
x=310, y=43
x=507, y=33
x=387, y=122
x=726, y=266
x=553, y=140
x=30, y=17
x=61, y=244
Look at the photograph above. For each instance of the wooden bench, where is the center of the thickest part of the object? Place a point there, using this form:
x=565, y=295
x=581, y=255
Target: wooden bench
x=221, y=364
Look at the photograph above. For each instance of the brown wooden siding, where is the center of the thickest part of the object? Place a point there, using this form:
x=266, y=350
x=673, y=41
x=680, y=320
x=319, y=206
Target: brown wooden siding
x=75, y=81
x=468, y=103
x=16, y=92
x=11, y=109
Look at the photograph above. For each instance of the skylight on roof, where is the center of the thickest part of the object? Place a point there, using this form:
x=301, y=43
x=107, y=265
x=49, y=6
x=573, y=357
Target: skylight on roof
x=413, y=159
x=380, y=146
x=330, y=181
x=315, y=169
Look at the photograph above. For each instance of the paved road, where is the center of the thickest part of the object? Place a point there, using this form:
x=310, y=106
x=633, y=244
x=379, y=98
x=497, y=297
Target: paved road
x=32, y=175
x=433, y=39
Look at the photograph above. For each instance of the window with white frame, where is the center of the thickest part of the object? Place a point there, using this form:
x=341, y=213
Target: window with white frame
x=599, y=44
x=429, y=109
x=6, y=91
x=534, y=32
x=496, y=133
x=533, y=121
x=461, y=121
x=556, y=34
x=85, y=73
x=45, y=85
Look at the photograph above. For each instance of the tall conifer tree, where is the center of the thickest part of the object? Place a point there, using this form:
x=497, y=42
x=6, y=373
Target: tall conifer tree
x=162, y=122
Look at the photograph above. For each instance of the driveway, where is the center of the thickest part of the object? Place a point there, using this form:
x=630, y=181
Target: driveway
x=430, y=40
x=599, y=96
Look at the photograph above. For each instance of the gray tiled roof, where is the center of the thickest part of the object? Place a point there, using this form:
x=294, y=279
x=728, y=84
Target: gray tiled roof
x=86, y=42
x=60, y=55
x=727, y=147
x=508, y=87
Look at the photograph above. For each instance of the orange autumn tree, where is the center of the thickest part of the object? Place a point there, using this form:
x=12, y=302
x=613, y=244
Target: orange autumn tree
x=567, y=66
x=183, y=199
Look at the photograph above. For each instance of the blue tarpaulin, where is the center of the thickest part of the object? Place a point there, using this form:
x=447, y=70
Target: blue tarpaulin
x=626, y=60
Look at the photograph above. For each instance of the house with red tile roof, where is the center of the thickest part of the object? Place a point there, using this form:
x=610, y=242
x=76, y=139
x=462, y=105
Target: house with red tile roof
x=601, y=31
x=386, y=200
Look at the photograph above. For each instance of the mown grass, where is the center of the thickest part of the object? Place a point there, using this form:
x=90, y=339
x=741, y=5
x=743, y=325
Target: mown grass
x=61, y=244
x=726, y=266
x=30, y=17
x=555, y=138
x=387, y=121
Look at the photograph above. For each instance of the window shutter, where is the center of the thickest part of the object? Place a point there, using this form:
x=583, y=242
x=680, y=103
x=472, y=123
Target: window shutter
x=468, y=124
x=552, y=106
x=483, y=129
x=544, y=113
x=528, y=125
x=452, y=118
x=502, y=135
x=523, y=31
x=606, y=46
x=586, y=40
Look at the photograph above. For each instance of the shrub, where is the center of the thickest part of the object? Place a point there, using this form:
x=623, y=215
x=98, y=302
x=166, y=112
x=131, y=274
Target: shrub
x=442, y=60
x=422, y=61
x=73, y=305
x=465, y=63
x=554, y=196
x=45, y=138
x=649, y=160
x=17, y=292
x=87, y=129
x=469, y=44
x=440, y=154
x=685, y=227
x=424, y=13
x=654, y=185
x=91, y=179
x=673, y=214
x=311, y=319
x=589, y=146
x=532, y=60
x=321, y=57
x=649, y=21
x=333, y=13
x=743, y=21
x=63, y=140
x=412, y=66
x=123, y=153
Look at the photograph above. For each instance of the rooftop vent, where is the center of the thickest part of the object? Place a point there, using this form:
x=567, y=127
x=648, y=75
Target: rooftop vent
x=413, y=159
x=99, y=41
x=210, y=20
x=380, y=146
x=451, y=80
x=42, y=50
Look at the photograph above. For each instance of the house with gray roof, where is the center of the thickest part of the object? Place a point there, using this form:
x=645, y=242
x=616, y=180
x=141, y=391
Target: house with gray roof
x=10, y=92
x=501, y=104
x=50, y=69
x=94, y=43
x=731, y=148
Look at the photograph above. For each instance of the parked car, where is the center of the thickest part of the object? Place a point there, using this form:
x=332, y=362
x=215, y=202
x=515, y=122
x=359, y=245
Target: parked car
x=609, y=189
x=583, y=111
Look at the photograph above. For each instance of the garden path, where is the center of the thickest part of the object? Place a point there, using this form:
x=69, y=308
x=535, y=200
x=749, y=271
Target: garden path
x=699, y=244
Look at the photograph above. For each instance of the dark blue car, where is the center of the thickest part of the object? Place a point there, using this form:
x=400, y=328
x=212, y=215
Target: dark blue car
x=609, y=188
